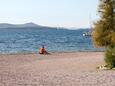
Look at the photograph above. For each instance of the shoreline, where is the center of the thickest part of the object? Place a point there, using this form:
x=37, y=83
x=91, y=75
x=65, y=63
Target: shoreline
x=25, y=53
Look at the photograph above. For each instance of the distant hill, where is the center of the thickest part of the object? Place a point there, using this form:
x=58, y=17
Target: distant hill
x=7, y=25
x=34, y=26
x=25, y=26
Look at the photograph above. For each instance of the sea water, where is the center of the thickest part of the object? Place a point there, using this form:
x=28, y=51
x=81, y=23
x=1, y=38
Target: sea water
x=29, y=40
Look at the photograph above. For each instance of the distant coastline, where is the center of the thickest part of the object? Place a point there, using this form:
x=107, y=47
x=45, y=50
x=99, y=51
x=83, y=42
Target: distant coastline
x=33, y=25
x=25, y=25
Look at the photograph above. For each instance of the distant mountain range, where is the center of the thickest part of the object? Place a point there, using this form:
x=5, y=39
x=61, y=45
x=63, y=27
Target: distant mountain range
x=26, y=26
x=7, y=25
x=30, y=25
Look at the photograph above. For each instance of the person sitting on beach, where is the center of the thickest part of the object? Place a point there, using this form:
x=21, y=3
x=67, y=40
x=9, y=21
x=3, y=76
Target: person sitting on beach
x=42, y=50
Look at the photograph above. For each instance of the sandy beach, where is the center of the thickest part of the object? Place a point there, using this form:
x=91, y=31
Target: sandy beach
x=57, y=69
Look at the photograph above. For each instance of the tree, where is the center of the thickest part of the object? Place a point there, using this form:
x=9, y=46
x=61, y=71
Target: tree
x=104, y=28
x=104, y=31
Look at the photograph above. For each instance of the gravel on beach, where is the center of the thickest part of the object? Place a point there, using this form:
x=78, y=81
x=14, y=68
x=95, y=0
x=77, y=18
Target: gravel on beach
x=57, y=69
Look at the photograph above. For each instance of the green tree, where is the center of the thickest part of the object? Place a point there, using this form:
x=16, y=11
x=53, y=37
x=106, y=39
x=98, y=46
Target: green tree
x=104, y=29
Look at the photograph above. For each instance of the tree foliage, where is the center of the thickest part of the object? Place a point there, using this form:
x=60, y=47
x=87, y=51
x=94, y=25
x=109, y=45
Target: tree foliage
x=104, y=29
x=110, y=57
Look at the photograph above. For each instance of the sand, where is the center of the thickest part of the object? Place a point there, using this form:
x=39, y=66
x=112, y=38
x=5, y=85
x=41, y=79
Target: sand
x=57, y=69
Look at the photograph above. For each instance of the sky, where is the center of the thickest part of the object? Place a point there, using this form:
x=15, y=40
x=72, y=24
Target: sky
x=54, y=13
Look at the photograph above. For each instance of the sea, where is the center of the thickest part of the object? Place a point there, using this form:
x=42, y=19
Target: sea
x=29, y=40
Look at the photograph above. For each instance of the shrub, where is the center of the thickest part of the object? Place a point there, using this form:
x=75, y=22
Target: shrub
x=110, y=57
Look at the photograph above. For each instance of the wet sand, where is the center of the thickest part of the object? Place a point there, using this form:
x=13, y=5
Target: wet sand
x=57, y=69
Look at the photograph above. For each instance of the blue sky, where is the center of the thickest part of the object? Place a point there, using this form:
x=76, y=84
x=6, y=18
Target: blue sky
x=55, y=13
